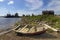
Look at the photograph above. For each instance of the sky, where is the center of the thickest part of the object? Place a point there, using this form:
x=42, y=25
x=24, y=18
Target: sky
x=28, y=7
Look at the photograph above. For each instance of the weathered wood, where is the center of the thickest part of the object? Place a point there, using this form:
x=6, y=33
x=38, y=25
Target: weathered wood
x=39, y=29
x=50, y=27
x=18, y=29
x=15, y=27
x=32, y=30
x=23, y=29
x=5, y=32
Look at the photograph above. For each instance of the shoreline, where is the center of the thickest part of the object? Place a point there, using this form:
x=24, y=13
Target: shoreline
x=11, y=35
x=46, y=36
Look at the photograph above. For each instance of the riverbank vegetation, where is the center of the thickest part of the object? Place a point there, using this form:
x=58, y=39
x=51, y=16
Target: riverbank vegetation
x=50, y=19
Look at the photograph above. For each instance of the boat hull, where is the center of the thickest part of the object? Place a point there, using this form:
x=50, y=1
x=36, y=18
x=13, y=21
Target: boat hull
x=35, y=33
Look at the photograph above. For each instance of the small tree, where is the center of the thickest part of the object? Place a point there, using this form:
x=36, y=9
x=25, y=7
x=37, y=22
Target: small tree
x=23, y=15
x=16, y=14
x=8, y=15
x=33, y=14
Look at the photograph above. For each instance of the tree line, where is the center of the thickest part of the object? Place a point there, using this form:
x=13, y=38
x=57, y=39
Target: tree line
x=9, y=15
x=45, y=12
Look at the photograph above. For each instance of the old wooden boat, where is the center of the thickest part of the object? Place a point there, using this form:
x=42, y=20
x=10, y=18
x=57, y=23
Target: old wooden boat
x=29, y=30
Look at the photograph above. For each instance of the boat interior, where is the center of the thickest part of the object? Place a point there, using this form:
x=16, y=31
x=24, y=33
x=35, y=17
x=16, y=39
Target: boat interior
x=29, y=28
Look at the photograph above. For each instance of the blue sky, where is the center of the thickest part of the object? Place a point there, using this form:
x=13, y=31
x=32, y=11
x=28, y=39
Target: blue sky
x=28, y=6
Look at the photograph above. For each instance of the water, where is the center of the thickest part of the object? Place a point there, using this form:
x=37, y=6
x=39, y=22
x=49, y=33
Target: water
x=6, y=23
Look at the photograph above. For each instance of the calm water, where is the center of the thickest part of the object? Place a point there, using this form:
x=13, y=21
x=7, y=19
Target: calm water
x=7, y=22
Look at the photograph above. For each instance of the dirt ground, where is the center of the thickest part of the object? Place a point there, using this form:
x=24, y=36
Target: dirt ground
x=46, y=36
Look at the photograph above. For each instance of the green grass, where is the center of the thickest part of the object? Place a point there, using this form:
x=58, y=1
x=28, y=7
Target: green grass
x=51, y=20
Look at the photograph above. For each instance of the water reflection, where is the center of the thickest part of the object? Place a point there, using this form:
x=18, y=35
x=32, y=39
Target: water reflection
x=7, y=22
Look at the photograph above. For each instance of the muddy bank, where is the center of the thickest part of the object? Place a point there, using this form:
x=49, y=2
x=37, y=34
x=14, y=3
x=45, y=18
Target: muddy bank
x=1, y=30
x=46, y=36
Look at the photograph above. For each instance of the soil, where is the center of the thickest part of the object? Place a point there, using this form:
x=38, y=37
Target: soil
x=46, y=36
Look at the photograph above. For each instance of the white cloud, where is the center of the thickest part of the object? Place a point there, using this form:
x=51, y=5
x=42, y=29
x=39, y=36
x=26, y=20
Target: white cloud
x=1, y=0
x=34, y=4
x=54, y=5
x=10, y=2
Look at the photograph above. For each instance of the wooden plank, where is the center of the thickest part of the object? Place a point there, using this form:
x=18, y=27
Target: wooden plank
x=50, y=27
x=15, y=27
x=39, y=28
x=24, y=31
x=32, y=30
x=23, y=28
x=18, y=30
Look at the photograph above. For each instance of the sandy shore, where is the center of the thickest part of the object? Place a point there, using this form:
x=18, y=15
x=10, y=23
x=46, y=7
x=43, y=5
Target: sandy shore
x=46, y=36
x=1, y=30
